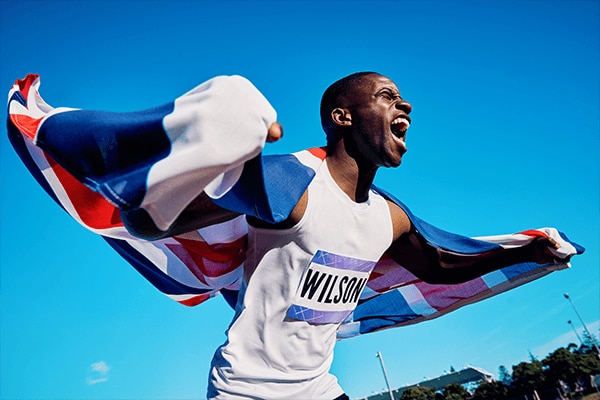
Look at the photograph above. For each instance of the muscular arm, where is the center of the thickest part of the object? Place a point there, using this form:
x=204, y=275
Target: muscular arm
x=201, y=212
x=435, y=266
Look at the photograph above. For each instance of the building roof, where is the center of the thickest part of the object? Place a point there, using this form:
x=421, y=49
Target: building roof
x=464, y=376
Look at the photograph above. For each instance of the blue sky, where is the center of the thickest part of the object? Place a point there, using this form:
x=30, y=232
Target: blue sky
x=505, y=137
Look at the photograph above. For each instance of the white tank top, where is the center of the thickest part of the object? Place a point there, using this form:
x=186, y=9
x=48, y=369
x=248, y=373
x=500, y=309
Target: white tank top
x=300, y=284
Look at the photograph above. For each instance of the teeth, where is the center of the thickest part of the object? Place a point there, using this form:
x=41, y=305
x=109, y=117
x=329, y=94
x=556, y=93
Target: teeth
x=403, y=122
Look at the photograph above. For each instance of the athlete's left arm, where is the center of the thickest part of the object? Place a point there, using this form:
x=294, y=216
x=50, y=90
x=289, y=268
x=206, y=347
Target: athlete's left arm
x=411, y=251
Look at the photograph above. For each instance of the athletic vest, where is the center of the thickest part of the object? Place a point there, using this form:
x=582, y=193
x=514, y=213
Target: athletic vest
x=299, y=285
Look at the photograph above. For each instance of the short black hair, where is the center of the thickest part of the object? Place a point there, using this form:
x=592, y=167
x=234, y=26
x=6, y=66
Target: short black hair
x=331, y=96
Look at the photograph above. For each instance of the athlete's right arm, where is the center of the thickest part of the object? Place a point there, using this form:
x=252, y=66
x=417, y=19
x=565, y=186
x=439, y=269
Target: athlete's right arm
x=201, y=212
x=295, y=216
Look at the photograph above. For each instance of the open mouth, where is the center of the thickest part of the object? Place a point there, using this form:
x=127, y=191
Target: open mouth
x=399, y=126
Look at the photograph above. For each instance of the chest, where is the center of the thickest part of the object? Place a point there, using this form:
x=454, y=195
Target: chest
x=334, y=223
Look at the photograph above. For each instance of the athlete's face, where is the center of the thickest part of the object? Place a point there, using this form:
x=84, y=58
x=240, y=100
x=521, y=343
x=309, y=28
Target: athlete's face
x=379, y=120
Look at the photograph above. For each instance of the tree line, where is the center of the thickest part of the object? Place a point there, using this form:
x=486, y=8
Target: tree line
x=565, y=373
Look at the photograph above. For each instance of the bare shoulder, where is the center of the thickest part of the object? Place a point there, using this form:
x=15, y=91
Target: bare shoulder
x=298, y=211
x=295, y=216
x=400, y=221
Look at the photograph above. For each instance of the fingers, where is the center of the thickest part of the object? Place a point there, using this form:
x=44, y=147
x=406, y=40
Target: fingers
x=553, y=243
x=542, y=250
x=275, y=132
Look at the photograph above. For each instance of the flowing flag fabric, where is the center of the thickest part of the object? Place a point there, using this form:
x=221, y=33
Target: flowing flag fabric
x=97, y=165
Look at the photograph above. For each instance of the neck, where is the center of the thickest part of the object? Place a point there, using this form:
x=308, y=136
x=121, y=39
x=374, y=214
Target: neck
x=355, y=179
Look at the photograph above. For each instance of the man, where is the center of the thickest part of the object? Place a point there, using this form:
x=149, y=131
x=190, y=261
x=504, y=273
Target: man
x=303, y=274
x=270, y=354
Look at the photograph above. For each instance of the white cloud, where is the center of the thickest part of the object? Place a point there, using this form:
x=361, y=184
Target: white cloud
x=100, y=367
x=92, y=381
x=98, y=373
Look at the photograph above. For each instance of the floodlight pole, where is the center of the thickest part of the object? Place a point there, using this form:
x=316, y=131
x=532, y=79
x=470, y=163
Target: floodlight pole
x=584, y=325
x=387, y=382
x=574, y=330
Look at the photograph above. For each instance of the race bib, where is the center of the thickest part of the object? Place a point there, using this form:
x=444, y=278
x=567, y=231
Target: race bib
x=330, y=288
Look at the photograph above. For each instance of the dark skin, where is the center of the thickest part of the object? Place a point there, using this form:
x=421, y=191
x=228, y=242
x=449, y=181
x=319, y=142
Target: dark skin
x=369, y=131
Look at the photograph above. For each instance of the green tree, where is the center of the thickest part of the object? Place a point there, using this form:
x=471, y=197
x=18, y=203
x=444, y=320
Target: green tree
x=455, y=391
x=572, y=347
x=588, y=364
x=418, y=393
x=561, y=366
x=504, y=375
x=570, y=366
x=589, y=343
x=491, y=390
x=527, y=377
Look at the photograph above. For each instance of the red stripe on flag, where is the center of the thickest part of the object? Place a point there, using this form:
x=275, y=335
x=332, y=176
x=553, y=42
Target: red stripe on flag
x=93, y=209
x=388, y=275
x=318, y=152
x=26, y=124
x=194, y=301
x=212, y=261
x=26, y=83
x=533, y=233
x=441, y=297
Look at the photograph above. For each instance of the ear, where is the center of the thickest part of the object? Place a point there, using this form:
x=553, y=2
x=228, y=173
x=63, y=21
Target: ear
x=341, y=117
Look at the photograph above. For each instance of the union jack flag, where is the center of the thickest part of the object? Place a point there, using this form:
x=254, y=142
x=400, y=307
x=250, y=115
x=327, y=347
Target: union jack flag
x=95, y=164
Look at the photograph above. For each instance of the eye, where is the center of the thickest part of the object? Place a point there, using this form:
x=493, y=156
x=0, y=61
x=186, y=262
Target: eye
x=388, y=95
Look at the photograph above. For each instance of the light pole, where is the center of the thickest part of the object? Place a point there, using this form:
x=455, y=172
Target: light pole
x=583, y=323
x=387, y=382
x=574, y=330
